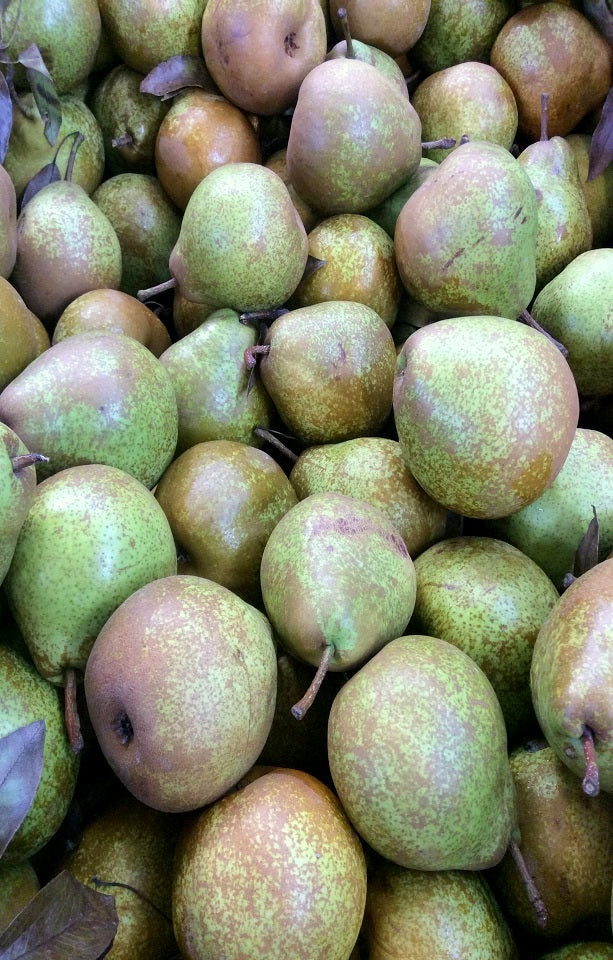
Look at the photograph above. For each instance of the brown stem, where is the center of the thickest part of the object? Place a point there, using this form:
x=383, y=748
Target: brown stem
x=251, y=354
x=274, y=440
x=125, y=140
x=529, y=320
x=463, y=139
x=344, y=21
x=27, y=460
x=259, y=316
x=159, y=288
x=445, y=143
x=78, y=140
x=127, y=886
x=531, y=891
x=544, y=116
x=71, y=712
x=299, y=709
x=591, y=780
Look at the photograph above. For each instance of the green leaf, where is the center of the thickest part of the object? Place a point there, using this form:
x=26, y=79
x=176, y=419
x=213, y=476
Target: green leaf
x=21, y=766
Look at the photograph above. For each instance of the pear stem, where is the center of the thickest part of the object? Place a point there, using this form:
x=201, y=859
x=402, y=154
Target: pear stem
x=251, y=354
x=27, y=460
x=445, y=143
x=299, y=709
x=125, y=140
x=344, y=21
x=529, y=320
x=78, y=140
x=159, y=288
x=271, y=438
x=532, y=893
x=126, y=886
x=591, y=780
x=259, y=316
x=71, y=713
x=544, y=116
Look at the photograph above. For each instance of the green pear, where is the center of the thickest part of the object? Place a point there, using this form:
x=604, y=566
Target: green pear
x=474, y=256
x=17, y=491
x=180, y=687
x=354, y=138
x=8, y=223
x=582, y=950
x=457, y=34
x=566, y=843
x=147, y=33
x=92, y=536
x=373, y=469
x=211, y=383
x=490, y=600
x=418, y=754
x=112, y=311
x=437, y=913
x=277, y=161
x=95, y=398
x=22, y=335
x=486, y=410
x=237, y=210
x=387, y=212
x=18, y=884
x=598, y=191
x=374, y=55
x=576, y=307
x=147, y=225
x=571, y=675
x=272, y=870
x=223, y=499
x=550, y=529
x=26, y=697
x=65, y=246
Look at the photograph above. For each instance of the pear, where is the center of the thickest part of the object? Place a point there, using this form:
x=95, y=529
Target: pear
x=354, y=138
x=237, y=209
x=272, y=870
x=180, y=687
x=373, y=469
x=417, y=753
x=490, y=600
x=582, y=950
x=457, y=34
x=387, y=212
x=277, y=161
x=598, y=191
x=486, y=410
x=153, y=30
x=477, y=256
x=18, y=884
x=65, y=246
x=393, y=26
x=22, y=335
x=112, y=311
x=549, y=529
x=223, y=499
x=147, y=227
x=17, y=491
x=187, y=315
x=373, y=55
x=436, y=913
x=564, y=835
x=96, y=398
x=201, y=131
x=571, y=674
x=8, y=223
x=26, y=697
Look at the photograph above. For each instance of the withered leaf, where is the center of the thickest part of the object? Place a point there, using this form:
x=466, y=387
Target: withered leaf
x=176, y=73
x=601, y=150
x=21, y=766
x=43, y=178
x=6, y=116
x=43, y=90
x=586, y=556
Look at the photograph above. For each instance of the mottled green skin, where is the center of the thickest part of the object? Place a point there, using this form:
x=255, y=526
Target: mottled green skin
x=26, y=697
x=22, y=335
x=490, y=600
x=95, y=398
x=121, y=109
x=67, y=33
x=386, y=213
x=111, y=311
x=211, y=383
x=576, y=307
x=564, y=227
x=458, y=33
x=194, y=669
x=65, y=246
x=149, y=31
x=147, y=225
x=467, y=99
x=566, y=841
x=16, y=494
x=330, y=371
x=335, y=571
x=584, y=950
x=18, y=884
x=550, y=529
x=132, y=844
x=572, y=672
x=466, y=239
x=223, y=499
x=418, y=754
x=376, y=57
x=93, y=535
x=353, y=138
x=598, y=191
x=373, y=469
x=242, y=243
x=29, y=150
x=273, y=871
x=486, y=410
x=424, y=914
x=8, y=224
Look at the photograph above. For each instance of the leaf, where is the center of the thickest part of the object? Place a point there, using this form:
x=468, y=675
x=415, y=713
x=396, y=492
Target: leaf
x=601, y=150
x=43, y=178
x=172, y=75
x=21, y=766
x=6, y=116
x=66, y=920
x=586, y=556
x=43, y=90
x=600, y=12
x=312, y=264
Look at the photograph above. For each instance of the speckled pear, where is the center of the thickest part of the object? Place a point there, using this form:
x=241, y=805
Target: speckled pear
x=17, y=490
x=150, y=31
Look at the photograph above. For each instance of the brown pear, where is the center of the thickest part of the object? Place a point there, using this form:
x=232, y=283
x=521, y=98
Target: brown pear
x=393, y=26
x=112, y=311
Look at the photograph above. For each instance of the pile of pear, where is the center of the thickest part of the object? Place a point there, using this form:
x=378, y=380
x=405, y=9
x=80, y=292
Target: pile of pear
x=306, y=475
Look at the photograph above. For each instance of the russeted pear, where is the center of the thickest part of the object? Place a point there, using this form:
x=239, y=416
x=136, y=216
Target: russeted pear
x=476, y=256
x=180, y=687
x=373, y=55
x=417, y=749
x=390, y=25
x=486, y=410
x=17, y=491
x=8, y=223
x=275, y=870
x=490, y=600
x=387, y=212
x=146, y=33
x=598, y=191
x=22, y=335
x=571, y=677
x=581, y=950
x=423, y=914
x=455, y=34
x=112, y=311
x=277, y=161
x=18, y=884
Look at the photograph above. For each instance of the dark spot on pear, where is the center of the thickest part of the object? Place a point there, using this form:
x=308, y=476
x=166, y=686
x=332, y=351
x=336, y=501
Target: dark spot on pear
x=290, y=44
x=123, y=728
